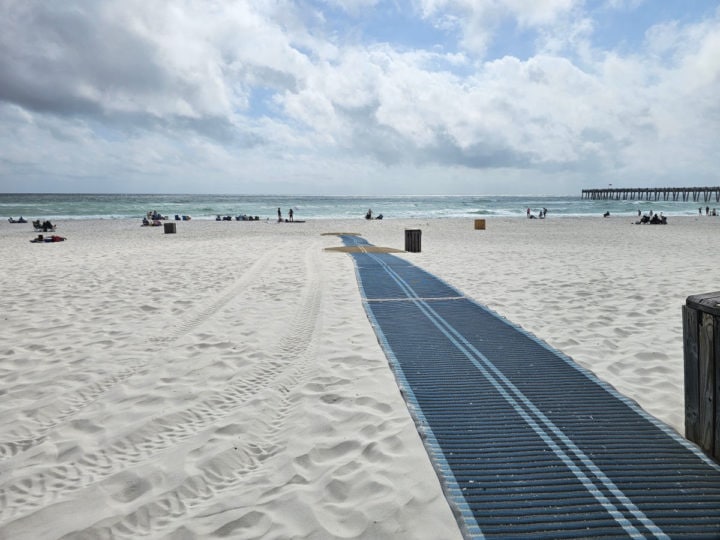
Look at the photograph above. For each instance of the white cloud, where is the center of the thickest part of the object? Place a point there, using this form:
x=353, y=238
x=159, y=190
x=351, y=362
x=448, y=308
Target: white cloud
x=223, y=93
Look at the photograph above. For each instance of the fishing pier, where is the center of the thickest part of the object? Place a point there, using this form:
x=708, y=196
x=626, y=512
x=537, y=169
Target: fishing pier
x=697, y=194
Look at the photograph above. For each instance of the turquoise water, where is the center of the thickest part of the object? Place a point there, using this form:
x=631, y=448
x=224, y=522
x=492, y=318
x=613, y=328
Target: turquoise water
x=123, y=206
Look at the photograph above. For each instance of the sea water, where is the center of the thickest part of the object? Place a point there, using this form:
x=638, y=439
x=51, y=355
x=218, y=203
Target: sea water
x=125, y=206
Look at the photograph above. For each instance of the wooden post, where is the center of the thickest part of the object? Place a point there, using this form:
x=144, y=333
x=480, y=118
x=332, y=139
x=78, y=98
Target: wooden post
x=479, y=224
x=412, y=240
x=701, y=343
x=169, y=228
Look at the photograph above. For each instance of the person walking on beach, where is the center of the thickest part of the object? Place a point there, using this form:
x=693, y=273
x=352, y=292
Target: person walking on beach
x=279, y=215
x=291, y=214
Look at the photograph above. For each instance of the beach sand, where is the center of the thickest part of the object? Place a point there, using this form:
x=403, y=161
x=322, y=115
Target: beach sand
x=224, y=381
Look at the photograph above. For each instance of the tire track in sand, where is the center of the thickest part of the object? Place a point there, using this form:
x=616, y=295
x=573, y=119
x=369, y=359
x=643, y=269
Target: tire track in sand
x=270, y=385
x=35, y=426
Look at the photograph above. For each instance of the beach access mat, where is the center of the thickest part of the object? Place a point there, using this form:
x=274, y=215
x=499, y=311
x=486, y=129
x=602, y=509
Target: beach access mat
x=528, y=444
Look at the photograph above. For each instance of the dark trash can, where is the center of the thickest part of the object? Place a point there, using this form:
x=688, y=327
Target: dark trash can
x=701, y=343
x=413, y=240
x=169, y=228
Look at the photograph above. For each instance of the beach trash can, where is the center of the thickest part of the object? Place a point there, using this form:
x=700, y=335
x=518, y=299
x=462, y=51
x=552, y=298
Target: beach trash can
x=701, y=348
x=479, y=224
x=169, y=228
x=412, y=240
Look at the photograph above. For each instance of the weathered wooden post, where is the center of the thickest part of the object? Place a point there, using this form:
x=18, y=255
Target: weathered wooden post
x=701, y=344
x=479, y=224
x=169, y=228
x=413, y=240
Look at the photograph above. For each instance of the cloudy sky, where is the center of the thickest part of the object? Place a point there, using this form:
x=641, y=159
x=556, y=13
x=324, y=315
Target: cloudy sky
x=364, y=97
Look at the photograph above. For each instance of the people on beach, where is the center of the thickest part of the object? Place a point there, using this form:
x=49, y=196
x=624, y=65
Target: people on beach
x=369, y=215
x=279, y=215
x=44, y=226
x=54, y=238
x=291, y=214
x=541, y=213
x=606, y=214
x=652, y=219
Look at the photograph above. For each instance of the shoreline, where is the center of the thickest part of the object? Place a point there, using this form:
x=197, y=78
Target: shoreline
x=273, y=218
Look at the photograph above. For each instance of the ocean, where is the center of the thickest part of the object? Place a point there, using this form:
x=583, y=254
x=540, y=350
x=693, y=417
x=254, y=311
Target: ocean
x=126, y=206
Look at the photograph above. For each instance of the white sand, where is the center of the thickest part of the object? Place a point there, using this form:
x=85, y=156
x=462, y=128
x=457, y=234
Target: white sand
x=225, y=382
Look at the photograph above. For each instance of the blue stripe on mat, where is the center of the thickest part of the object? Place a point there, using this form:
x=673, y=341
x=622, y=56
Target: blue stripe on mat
x=527, y=443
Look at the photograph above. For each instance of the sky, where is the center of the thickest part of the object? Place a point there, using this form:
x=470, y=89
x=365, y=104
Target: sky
x=358, y=97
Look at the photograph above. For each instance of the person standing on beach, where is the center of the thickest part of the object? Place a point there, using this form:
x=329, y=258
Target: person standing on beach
x=279, y=215
x=291, y=214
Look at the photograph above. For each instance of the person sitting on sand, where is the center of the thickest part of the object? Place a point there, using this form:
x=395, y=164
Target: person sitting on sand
x=42, y=239
x=369, y=214
x=606, y=214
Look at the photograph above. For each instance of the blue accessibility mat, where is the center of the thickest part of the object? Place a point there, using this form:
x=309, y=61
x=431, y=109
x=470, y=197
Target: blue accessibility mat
x=528, y=444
